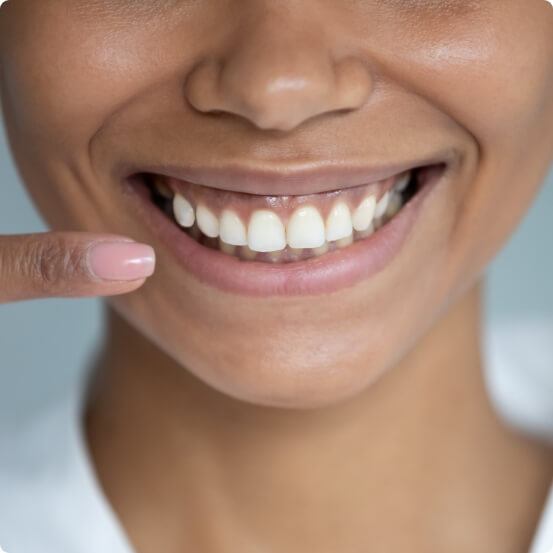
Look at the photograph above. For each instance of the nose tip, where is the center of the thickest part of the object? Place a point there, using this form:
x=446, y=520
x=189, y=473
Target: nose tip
x=276, y=87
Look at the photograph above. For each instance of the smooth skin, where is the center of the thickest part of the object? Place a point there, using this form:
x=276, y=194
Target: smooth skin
x=355, y=421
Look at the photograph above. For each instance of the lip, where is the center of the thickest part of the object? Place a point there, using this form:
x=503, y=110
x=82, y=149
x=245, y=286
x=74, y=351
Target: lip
x=328, y=273
x=293, y=180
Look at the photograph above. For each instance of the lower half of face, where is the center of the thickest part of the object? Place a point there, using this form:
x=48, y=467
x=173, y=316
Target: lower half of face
x=422, y=150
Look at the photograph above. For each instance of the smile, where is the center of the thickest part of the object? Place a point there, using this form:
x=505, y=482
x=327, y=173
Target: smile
x=280, y=229
x=255, y=244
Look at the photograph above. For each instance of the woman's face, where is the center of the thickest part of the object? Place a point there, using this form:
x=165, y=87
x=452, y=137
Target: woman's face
x=93, y=90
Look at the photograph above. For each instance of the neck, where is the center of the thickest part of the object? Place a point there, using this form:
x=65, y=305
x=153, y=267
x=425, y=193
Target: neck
x=418, y=462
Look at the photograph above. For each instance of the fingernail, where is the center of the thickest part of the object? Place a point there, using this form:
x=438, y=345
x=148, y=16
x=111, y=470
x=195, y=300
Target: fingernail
x=121, y=260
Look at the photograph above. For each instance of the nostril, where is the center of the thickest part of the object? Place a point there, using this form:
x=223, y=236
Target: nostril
x=277, y=89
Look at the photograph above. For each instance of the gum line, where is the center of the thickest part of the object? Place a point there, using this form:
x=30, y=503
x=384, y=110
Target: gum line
x=245, y=204
x=286, y=255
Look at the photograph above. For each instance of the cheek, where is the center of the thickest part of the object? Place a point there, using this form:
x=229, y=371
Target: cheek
x=495, y=81
x=491, y=72
x=62, y=80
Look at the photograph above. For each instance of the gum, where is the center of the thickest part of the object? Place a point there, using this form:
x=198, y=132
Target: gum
x=245, y=204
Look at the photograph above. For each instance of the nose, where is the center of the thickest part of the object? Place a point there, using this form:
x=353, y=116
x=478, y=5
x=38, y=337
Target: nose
x=279, y=73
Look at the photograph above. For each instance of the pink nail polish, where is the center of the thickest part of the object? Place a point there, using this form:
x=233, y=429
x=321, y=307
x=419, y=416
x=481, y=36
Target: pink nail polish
x=121, y=260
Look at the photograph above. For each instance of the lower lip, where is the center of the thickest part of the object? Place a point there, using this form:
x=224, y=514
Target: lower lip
x=328, y=273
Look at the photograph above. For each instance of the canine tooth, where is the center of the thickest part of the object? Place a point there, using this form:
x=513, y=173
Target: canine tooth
x=394, y=205
x=306, y=228
x=402, y=182
x=227, y=248
x=232, y=229
x=338, y=222
x=382, y=205
x=364, y=214
x=208, y=223
x=266, y=232
x=183, y=211
x=343, y=242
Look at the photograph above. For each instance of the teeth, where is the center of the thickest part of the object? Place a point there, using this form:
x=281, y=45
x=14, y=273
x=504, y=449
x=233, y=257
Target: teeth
x=338, y=222
x=208, y=223
x=366, y=232
x=247, y=253
x=232, y=230
x=364, y=214
x=402, y=183
x=320, y=250
x=163, y=189
x=382, y=205
x=227, y=248
x=306, y=228
x=394, y=205
x=266, y=232
x=343, y=242
x=183, y=211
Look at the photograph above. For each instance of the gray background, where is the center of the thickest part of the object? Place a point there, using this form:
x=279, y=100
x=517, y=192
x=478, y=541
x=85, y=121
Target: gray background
x=46, y=344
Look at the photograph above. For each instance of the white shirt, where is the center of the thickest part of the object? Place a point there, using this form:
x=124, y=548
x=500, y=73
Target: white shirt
x=50, y=498
x=51, y=501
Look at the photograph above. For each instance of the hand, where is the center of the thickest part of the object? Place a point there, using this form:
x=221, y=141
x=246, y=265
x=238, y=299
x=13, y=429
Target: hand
x=71, y=264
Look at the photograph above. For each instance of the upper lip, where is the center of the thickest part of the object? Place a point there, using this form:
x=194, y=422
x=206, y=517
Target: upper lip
x=291, y=180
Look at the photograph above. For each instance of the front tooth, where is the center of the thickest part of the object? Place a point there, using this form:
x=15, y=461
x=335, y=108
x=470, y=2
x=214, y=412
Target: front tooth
x=208, y=223
x=306, y=228
x=183, y=210
x=231, y=229
x=338, y=222
x=382, y=205
x=364, y=214
x=266, y=232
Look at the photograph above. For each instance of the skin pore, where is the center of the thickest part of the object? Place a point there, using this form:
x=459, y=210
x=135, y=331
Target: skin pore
x=354, y=421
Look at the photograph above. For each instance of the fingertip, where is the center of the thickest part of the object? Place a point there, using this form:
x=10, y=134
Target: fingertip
x=120, y=288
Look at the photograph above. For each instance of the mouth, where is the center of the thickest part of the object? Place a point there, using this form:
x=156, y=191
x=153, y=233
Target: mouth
x=258, y=244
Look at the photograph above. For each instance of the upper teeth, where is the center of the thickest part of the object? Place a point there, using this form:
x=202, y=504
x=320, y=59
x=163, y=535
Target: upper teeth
x=402, y=182
x=364, y=214
x=207, y=221
x=305, y=228
x=232, y=229
x=339, y=222
x=382, y=205
x=266, y=232
x=183, y=210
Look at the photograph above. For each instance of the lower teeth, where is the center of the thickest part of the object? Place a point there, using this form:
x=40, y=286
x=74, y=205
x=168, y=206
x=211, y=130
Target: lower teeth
x=288, y=254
